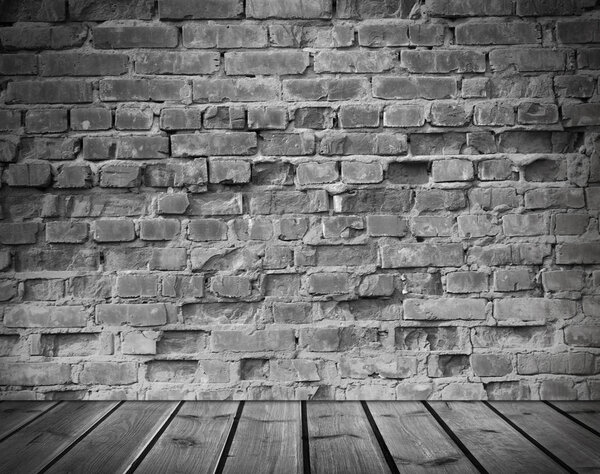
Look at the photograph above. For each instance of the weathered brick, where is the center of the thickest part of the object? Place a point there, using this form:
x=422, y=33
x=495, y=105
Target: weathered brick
x=115, y=90
x=528, y=60
x=580, y=115
x=18, y=233
x=168, y=62
x=224, y=36
x=437, y=143
x=494, y=114
x=544, y=198
x=452, y=9
x=168, y=259
x=431, y=226
x=443, y=62
x=133, y=286
x=525, y=224
x=35, y=373
x=133, y=314
x=326, y=89
x=216, y=143
x=582, y=335
x=355, y=62
x=437, y=199
x=267, y=118
x=426, y=87
x=574, y=363
x=512, y=280
x=497, y=33
x=231, y=286
x=77, y=64
x=96, y=118
x=358, y=172
x=317, y=173
x=580, y=87
x=495, y=170
x=578, y=253
x=533, y=309
x=491, y=365
x=31, y=174
x=49, y=92
x=532, y=113
x=371, y=201
x=570, y=224
x=466, y=282
x=403, y=116
x=282, y=9
x=452, y=170
x=211, y=9
x=356, y=143
x=329, y=283
x=444, y=309
x=66, y=232
x=377, y=35
x=421, y=255
x=266, y=63
x=207, y=230
x=131, y=147
x=134, y=118
x=359, y=116
x=265, y=340
x=236, y=90
x=120, y=176
x=113, y=230
x=125, y=35
x=159, y=229
x=229, y=171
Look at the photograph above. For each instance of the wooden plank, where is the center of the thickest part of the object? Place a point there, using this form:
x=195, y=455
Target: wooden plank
x=35, y=445
x=116, y=443
x=268, y=439
x=586, y=412
x=193, y=441
x=416, y=441
x=341, y=440
x=493, y=442
x=15, y=414
x=570, y=442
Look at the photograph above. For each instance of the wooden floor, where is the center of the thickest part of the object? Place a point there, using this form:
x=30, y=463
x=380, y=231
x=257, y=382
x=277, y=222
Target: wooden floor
x=299, y=437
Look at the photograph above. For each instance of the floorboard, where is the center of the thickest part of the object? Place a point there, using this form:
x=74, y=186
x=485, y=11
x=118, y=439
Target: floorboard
x=193, y=441
x=570, y=442
x=586, y=412
x=16, y=414
x=493, y=442
x=35, y=445
x=341, y=440
x=267, y=440
x=114, y=445
x=416, y=441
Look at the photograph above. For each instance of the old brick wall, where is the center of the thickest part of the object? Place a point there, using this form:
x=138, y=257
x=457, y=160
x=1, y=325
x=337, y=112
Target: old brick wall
x=286, y=199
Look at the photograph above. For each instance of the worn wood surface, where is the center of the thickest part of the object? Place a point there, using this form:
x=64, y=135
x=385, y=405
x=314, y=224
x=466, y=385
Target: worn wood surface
x=571, y=443
x=193, y=441
x=275, y=437
x=38, y=443
x=495, y=444
x=586, y=412
x=416, y=441
x=115, y=444
x=268, y=439
x=341, y=440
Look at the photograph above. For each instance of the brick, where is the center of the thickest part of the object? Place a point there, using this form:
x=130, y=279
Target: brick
x=580, y=115
x=314, y=117
x=477, y=225
x=570, y=224
x=287, y=144
x=495, y=170
x=120, y=176
x=325, y=89
x=96, y=118
x=574, y=363
x=436, y=199
x=207, y=230
x=35, y=373
x=532, y=113
x=578, y=253
x=452, y=170
x=497, y=33
x=442, y=62
x=267, y=118
x=126, y=35
x=408, y=173
x=18, y=233
x=133, y=286
x=168, y=259
x=491, y=365
x=10, y=120
x=317, y=173
x=426, y=87
x=46, y=121
x=430, y=226
x=548, y=8
x=167, y=62
x=49, y=92
x=341, y=226
x=229, y=171
x=135, y=342
x=165, y=90
x=259, y=341
x=389, y=367
x=32, y=174
x=421, y=255
x=31, y=316
x=582, y=335
x=444, y=309
x=133, y=314
x=181, y=119
x=357, y=172
x=134, y=118
x=533, y=309
x=282, y=9
x=376, y=285
x=266, y=62
x=125, y=147
x=225, y=117
x=452, y=9
x=115, y=90
x=36, y=10
x=216, y=143
x=466, y=282
x=236, y=90
x=113, y=230
x=580, y=87
x=404, y=116
x=359, y=116
x=588, y=58
x=377, y=35
x=544, y=198
x=528, y=60
x=386, y=226
x=89, y=64
x=355, y=62
x=578, y=31
x=221, y=204
x=567, y=280
x=66, y=232
x=329, y=283
x=371, y=201
x=524, y=224
x=437, y=143
x=356, y=143
x=494, y=114
x=224, y=36
x=159, y=229
x=231, y=286
x=211, y=9
x=512, y=280
x=108, y=373
x=374, y=9
x=18, y=64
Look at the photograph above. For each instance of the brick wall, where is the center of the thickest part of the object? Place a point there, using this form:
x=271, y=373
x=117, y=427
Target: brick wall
x=300, y=198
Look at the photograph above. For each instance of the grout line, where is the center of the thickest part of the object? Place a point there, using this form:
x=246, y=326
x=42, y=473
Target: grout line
x=79, y=438
x=538, y=445
x=229, y=441
x=455, y=438
x=146, y=449
x=572, y=418
x=18, y=428
x=305, y=438
x=384, y=449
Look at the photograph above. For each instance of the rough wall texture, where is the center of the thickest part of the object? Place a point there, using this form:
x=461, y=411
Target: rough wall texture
x=300, y=198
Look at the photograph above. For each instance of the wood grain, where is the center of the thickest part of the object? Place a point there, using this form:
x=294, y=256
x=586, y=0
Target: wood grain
x=416, y=441
x=35, y=445
x=493, y=442
x=571, y=443
x=586, y=412
x=193, y=441
x=13, y=415
x=267, y=440
x=114, y=445
x=341, y=440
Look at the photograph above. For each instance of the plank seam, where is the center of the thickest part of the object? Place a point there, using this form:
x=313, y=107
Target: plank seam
x=305, y=438
x=572, y=418
x=382, y=445
x=77, y=440
x=532, y=440
x=27, y=423
x=138, y=460
x=454, y=437
x=229, y=441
